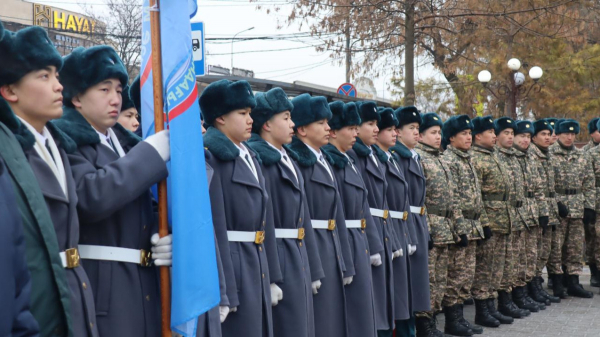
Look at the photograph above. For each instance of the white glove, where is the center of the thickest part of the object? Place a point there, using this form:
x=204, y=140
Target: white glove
x=223, y=312
x=160, y=142
x=234, y=309
x=376, y=260
x=162, y=249
x=400, y=252
x=276, y=294
x=316, y=285
x=395, y=254
x=348, y=280
x=412, y=249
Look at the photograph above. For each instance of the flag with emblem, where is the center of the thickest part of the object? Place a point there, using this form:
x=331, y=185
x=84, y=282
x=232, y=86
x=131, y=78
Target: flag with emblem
x=195, y=281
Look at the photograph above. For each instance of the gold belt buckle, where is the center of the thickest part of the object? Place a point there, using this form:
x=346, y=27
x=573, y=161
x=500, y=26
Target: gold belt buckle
x=331, y=224
x=301, y=234
x=404, y=216
x=422, y=212
x=260, y=237
x=363, y=223
x=145, y=258
x=72, y=255
x=386, y=213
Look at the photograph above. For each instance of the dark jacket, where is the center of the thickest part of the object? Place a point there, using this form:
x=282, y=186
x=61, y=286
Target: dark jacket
x=15, y=283
x=115, y=209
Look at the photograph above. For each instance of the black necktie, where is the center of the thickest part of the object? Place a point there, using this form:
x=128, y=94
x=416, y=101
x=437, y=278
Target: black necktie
x=49, y=150
x=112, y=145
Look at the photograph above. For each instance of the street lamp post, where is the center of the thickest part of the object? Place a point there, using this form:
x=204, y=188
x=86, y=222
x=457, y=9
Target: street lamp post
x=516, y=87
x=233, y=38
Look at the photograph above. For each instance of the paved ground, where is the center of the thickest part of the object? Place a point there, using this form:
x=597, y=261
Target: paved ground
x=574, y=317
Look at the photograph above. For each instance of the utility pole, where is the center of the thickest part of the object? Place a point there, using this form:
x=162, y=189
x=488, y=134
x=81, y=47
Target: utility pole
x=348, y=53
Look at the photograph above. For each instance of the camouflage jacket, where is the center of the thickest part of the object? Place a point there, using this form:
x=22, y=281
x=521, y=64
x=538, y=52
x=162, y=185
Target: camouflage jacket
x=534, y=193
x=517, y=195
x=543, y=168
x=594, y=156
x=495, y=184
x=468, y=196
x=439, y=197
x=574, y=179
x=590, y=145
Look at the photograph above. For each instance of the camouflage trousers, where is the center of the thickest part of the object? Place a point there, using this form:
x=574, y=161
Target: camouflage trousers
x=438, y=277
x=484, y=258
x=531, y=252
x=493, y=257
x=519, y=241
x=461, y=271
x=592, y=242
x=544, y=243
x=570, y=235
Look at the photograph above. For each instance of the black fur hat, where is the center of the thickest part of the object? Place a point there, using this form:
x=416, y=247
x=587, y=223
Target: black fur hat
x=482, y=124
x=343, y=115
x=388, y=118
x=407, y=115
x=221, y=97
x=309, y=109
x=568, y=126
x=430, y=119
x=503, y=123
x=269, y=104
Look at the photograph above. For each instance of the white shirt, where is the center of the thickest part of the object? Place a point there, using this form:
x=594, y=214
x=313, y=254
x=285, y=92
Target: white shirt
x=113, y=139
x=389, y=155
x=373, y=156
x=285, y=159
x=415, y=157
x=350, y=162
x=321, y=160
x=247, y=158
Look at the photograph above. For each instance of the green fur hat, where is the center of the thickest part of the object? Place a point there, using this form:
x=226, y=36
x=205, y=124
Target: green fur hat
x=135, y=95
x=504, y=123
x=552, y=122
x=593, y=125
x=86, y=67
x=269, y=104
x=482, y=124
x=343, y=115
x=557, y=123
x=541, y=125
x=309, y=109
x=25, y=51
x=407, y=115
x=568, y=126
x=127, y=101
x=428, y=120
x=454, y=125
x=221, y=97
x=525, y=127
x=388, y=118
x=367, y=111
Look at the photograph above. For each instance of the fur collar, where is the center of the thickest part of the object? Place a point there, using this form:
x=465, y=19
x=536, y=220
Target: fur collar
x=126, y=137
x=335, y=156
x=25, y=137
x=220, y=146
x=75, y=126
x=360, y=148
x=268, y=155
x=383, y=157
x=401, y=150
x=303, y=155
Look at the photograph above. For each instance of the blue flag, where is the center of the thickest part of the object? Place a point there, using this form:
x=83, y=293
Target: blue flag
x=195, y=281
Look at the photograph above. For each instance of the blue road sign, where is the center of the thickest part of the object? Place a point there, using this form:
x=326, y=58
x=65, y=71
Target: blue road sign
x=198, y=47
x=347, y=89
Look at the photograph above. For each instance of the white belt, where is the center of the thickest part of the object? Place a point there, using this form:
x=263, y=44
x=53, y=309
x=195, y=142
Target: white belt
x=380, y=213
x=323, y=224
x=285, y=233
x=399, y=215
x=362, y=223
x=118, y=254
x=417, y=210
x=69, y=258
x=243, y=236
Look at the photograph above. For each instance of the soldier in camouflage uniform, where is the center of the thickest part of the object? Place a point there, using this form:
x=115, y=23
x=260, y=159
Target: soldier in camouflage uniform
x=575, y=188
x=514, y=269
x=491, y=256
x=543, y=168
x=442, y=215
x=535, y=206
x=592, y=244
x=461, y=268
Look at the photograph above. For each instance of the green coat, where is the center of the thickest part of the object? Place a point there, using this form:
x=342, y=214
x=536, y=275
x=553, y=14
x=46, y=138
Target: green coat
x=49, y=291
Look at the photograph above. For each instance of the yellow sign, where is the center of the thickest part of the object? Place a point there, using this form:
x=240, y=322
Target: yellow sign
x=61, y=20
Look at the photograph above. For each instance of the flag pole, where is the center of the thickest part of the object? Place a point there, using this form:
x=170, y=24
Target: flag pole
x=163, y=227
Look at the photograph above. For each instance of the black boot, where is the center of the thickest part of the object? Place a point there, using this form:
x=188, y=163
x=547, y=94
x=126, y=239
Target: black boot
x=557, y=286
x=594, y=280
x=549, y=285
x=483, y=316
x=576, y=289
x=521, y=301
x=475, y=328
x=535, y=294
x=504, y=306
x=468, y=302
x=434, y=329
x=565, y=277
x=453, y=325
x=524, y=312
x=538, y=283
x=423, y=326
x=496, y=314
x=529, y=299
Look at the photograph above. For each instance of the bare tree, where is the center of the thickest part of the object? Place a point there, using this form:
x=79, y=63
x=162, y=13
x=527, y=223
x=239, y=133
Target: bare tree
x=121, y=29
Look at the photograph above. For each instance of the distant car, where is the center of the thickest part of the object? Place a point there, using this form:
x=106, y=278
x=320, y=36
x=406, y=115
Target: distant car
x=195, y=44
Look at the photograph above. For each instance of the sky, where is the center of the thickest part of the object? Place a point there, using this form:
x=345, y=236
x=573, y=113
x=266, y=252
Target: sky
x=285, y=61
